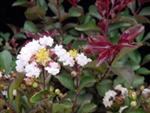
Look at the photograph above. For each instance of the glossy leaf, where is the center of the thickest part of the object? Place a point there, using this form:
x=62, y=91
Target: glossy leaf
x=19, y=36
x=42, y=3
x=59, y=108
x=88, y=108
x=143, y=71
x=35, y=13
x=104, y=86
x=86, y=81
x=23, y=3
x=68, y=39
x=6, y=61
x=93, y=11
x=146, y=58
x=73, y=11
x=30, y=26
x=78, y=43
x=145, y=11
x=123, y=52
x=91, y=25
x=66, y=81
x=14, y=85
x=141, y=19
x=135, y=56
x=40, y=96
x=147, y=37
x=126, y=72
x=139, y=80
x=5, y=36
x=131, y=33
x=124, y=19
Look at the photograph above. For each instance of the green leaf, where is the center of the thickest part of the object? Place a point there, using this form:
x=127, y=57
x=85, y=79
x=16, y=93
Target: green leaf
x=124, y=19
x=123, y=52
x=143, y=71
x=14, y=85
x=146, y=58
x=23, y=3
x=5, y=36
x=135, y=56
x=119, y=80
x=35, y=13
x=67, y=103
x=37, y=97
x=139, y=110
x=139, y=80
x=73, y=11
x=57, y=108
x=126, y=72
x=68, y=39
x=78, y=43
x=6, y=61
x=92, y=65
x=19, y=36
x=85, y=82
x=93, y=12
x=145, y=11
x=66, y=81
x=88, y=108
x=91, y=25
x=141, y=19
x=117, y=26
x=147, y=37
x=24, y=102
x=132, y=6
x=104, y=86
x=42, y=3
x=30, y=26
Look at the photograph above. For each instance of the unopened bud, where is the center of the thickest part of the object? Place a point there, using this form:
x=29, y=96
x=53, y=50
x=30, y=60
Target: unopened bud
x=51, y=89
x=60, y=95
x=28, y=81
x=142, y=88
x=133, y=103
x=119, y=100
x=57, y=91
x=132, y=95
x=74, y=73
x=22, y=86
x=35, y=84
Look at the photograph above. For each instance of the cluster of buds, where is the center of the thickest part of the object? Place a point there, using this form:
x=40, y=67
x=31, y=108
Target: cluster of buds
x=30, y=82
x=56, y=91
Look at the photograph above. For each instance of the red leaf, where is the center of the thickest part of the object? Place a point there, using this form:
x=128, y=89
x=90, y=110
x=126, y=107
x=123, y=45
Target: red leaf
x=104, y=56
x=131, y=33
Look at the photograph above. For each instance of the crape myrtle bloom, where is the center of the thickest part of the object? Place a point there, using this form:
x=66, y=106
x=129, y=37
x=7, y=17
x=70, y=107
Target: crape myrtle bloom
x=42, y=53
x=106, y=51
x=111, y=97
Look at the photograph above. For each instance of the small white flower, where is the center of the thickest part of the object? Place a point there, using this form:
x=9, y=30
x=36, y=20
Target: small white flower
x=14, y=92
x=32, y=70
x=146, y=92
x=109, y=98
x=124, y=91
x=4, y=93
x=46, y=41
x=82, y=59
x=54, y=68
x=59, y=50
x=122, y=108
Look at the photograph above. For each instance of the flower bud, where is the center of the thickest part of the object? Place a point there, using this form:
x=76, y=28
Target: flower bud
x=35, y=84
x=133, y=103
x=22, y=86
x=142, y=88
x=119, y=100
x=60, y=95
x=28, y=81
x=51, y=89
x=57, y=91
x=132, y=95
x=74, y=73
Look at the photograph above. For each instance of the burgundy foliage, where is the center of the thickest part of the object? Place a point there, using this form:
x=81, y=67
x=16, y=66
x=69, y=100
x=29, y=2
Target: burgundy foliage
x=109, y=9
x=74, y=2
x=107, y=51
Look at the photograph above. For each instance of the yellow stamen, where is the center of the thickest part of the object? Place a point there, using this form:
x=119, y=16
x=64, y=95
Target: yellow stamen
x=73, y=53
x=42, y=56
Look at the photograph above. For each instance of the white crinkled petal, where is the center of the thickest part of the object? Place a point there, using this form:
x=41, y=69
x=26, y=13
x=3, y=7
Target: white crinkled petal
x=46, y=41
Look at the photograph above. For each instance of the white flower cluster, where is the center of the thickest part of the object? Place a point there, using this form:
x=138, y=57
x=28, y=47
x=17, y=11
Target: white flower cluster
x=24, y=61
x=110, y=95
x=67, y=59
x=37, y=51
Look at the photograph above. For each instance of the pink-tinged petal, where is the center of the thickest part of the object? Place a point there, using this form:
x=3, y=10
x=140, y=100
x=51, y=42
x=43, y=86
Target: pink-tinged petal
x=131, y=33
x=104, y=56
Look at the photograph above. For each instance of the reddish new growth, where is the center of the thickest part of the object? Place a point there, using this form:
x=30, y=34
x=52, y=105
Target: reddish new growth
x=107, y=51
x=109, y=9
x=74, y=2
